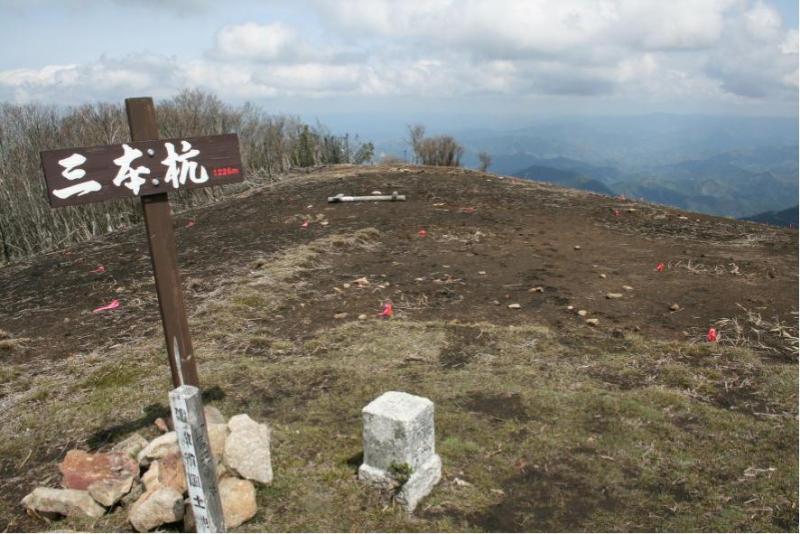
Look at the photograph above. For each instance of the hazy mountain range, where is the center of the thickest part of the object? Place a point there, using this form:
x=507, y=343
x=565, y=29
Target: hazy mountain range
x=732, y=166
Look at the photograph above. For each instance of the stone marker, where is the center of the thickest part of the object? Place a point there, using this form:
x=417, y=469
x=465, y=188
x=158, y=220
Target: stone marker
x=399, y=446
x=68, y=502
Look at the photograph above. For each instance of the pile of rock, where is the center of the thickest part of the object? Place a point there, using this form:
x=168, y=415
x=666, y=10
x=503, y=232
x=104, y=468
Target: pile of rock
x=149, y=478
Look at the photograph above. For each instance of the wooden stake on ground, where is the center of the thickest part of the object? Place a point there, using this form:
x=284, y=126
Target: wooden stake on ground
x=368, y=198
x=198, y=461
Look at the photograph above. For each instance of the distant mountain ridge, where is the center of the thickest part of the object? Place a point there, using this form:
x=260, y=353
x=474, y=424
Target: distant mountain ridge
x=787, y=217
x=735, y=184
x=567, y=178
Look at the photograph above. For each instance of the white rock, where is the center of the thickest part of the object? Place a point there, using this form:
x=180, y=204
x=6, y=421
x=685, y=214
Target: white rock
x=132, y=445
x=399, y=446
x=68, y=502
x=238, y=501
x=514, y=306
x=247, y=450
x=213, y=416
x=217, y=434
x=158, y=448
x=156, y=507
x=109, y=491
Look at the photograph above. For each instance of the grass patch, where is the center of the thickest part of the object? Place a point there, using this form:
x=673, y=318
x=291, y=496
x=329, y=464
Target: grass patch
x=549, y=433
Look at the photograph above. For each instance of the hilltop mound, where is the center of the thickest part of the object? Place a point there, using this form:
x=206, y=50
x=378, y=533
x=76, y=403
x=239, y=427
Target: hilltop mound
x=546, y=421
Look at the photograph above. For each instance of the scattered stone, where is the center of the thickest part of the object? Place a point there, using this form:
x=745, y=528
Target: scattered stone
x=459, y=482
x=346, y=286
x=247, y=449
x=158, y=448
x=377, y=193
x=155, y=508
x=583, y=313
x=482, y=273
x=217, y=434
x=213, y=416
x=537, y=289
x=67, y=502
x=399, y=446
x=570, y=308
x=603, y=276
x=361, y=282
x=593, y=322
x=675, y=307
x=577, y=247
x=342, y=315
x=166, y=472
x=80, y=468
x=162, y=425
x=131, y=445
x=238, y=501
x=613, y=295
x=109, y=491
x=627, y=288
x=222, y=471
x=514, y=306
x=496, y=302
x=133, y=495
x=189, y=524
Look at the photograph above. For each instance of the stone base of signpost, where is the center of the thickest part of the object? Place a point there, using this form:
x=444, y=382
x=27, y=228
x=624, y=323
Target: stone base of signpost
x=399, y=447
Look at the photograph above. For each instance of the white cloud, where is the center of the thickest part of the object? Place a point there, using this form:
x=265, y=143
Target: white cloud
x=259, y=42
x=646, y=50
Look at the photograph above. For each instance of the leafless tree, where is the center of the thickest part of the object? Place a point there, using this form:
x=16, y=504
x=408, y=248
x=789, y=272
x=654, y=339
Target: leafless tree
x=269, y=144
x=486, y=161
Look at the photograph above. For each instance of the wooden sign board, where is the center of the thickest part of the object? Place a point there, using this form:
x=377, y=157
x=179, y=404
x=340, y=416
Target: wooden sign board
x=99, y=173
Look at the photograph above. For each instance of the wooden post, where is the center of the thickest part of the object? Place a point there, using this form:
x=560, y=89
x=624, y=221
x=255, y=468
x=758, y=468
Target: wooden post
x=161, y=238
x=198, y=461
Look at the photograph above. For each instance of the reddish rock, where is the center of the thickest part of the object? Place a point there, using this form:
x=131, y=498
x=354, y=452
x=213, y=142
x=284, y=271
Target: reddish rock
x=81, y=469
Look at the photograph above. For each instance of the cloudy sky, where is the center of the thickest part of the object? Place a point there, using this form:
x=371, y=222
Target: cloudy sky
x=476, y=56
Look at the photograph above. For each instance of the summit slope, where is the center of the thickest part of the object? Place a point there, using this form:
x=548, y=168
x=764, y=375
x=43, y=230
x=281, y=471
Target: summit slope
x=636, y=422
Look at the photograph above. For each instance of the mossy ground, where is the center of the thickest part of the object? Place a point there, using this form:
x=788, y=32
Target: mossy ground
x=550, y=432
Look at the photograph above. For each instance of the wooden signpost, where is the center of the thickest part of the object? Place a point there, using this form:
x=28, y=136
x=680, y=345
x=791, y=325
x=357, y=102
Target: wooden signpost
x=149, y=168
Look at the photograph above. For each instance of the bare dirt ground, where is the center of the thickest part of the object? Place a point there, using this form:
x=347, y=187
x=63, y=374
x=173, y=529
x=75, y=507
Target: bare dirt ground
x=283, y=350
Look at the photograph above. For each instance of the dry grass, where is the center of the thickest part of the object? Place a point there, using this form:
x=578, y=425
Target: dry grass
x=551, y=433
x=772, y=336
